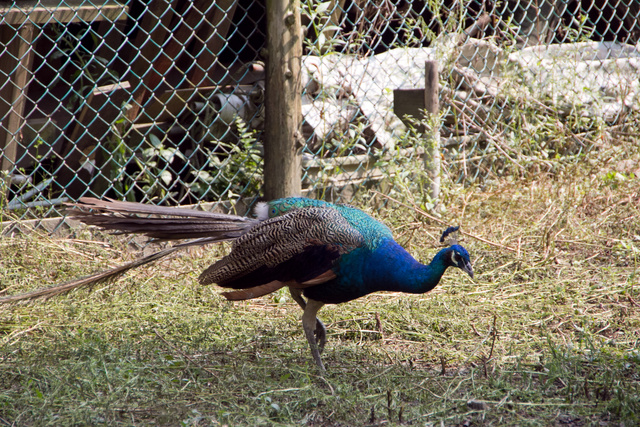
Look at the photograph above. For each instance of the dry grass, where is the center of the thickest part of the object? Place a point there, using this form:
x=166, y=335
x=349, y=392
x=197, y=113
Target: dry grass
x=546, y=334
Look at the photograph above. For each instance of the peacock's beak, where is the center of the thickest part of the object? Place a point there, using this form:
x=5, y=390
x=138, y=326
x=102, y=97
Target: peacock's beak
x=466, y=267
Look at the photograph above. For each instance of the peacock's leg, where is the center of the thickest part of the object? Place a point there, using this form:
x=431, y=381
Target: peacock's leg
x=309, y=322
x=321, y=335
x=296, y=294
x=320, y=331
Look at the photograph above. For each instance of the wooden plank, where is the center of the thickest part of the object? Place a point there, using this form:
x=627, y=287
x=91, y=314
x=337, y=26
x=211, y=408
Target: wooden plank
x=147, y=45
x=431, y=83
x=354, y=169
x=50, y=11
x=283, y=110
x=183, y=28
x=409, y=102
x=16, y=67
x=220, y=17
x=93, y=128
x=114, y=40
x=170, y=104
x=105, y=106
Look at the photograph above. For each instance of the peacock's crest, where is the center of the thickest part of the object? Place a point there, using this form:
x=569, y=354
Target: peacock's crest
x=450, y=236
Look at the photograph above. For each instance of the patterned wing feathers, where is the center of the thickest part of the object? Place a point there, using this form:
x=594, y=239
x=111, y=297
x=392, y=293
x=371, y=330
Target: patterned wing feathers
x=297, y=246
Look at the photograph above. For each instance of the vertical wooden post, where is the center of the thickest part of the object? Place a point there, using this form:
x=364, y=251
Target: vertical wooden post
x=432, y=128
x=16, y=67
x=283, y=110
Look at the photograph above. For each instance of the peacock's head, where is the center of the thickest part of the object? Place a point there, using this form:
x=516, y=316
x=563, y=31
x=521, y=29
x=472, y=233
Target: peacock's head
x=457, y=255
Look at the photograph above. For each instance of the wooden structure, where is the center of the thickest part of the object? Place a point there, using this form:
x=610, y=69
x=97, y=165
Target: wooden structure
x=19, y=28
x=283, y=120
x=159, y=47
x=417, y=103
x=164, y=32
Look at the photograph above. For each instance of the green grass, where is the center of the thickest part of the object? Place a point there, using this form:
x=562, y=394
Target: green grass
x=547, y=333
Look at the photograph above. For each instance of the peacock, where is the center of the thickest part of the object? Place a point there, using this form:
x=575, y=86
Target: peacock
x=324, y=253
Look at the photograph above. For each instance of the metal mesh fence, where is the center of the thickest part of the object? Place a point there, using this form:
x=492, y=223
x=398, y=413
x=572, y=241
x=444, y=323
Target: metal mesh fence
x=162, y=101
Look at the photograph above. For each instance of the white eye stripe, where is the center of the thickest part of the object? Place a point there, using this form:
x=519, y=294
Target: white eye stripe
x=453, y=259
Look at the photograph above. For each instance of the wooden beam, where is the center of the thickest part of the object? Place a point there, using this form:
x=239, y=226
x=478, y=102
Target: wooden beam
x=15, y=68
x=147, y=47
x=165, y=36
x=220, y=18
x=18, y=31
x=51, y=11
x=409, y=102
x=283, y=110
x=432, y=134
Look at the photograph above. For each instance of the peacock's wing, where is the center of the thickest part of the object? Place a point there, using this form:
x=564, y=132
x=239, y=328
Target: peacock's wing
x=298, y=249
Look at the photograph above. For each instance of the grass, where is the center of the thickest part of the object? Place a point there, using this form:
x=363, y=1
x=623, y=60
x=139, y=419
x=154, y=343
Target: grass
x=547, y=333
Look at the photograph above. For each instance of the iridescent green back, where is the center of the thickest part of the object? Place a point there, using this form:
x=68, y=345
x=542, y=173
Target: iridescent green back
x=372, y=231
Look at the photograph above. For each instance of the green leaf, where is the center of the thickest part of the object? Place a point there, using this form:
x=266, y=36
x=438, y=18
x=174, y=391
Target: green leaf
x=166, y=177
x=155, y=141
x=322, y=8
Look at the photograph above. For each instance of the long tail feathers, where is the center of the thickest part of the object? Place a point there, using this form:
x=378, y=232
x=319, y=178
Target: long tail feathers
x=166, y=223
x=101, y=277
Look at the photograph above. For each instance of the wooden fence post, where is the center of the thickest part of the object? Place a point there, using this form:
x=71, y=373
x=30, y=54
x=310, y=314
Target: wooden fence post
x=283, y=110
x=432, y=128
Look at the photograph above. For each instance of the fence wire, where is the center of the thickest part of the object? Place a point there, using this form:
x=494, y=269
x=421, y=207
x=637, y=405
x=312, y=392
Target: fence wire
x=162, y=101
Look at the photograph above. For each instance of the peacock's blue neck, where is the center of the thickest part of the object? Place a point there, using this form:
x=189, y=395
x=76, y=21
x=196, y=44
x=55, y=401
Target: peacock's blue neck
x=387, y=267
x=392, y=268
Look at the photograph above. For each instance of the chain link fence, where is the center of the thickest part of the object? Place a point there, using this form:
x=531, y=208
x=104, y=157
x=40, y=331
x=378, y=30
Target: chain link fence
x=162, y=101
